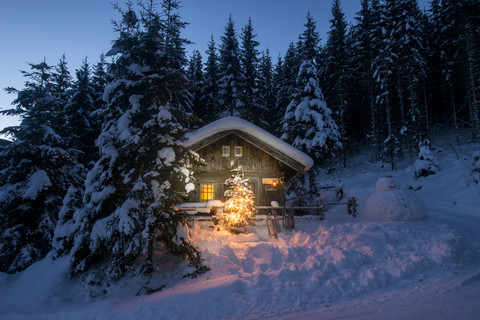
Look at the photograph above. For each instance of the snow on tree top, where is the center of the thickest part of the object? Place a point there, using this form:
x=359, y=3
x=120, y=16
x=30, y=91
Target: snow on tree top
x=235, y=123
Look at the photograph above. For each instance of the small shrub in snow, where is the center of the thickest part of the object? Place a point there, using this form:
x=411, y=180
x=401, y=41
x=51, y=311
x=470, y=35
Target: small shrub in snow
x=476, y=167
x=426, y=164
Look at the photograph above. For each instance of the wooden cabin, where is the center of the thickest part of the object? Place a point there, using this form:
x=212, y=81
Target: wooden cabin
x=268, y=162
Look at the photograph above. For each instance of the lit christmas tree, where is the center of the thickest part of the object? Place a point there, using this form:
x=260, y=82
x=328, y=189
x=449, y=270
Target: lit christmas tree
x=240, y=207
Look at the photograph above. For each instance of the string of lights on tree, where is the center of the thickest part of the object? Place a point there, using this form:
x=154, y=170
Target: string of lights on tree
x=239, y=208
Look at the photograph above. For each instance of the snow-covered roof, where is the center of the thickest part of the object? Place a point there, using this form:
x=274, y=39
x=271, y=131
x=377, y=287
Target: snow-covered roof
x=264, y=140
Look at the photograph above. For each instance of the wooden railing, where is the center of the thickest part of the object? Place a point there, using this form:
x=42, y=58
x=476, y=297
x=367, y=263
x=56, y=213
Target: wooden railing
x=287, y=214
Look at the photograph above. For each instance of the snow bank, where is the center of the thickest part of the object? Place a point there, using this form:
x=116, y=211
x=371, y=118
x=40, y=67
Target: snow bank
x=252, y=276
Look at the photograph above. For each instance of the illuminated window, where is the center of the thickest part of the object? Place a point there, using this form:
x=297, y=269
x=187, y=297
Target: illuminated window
x=226, y=151
x=207, y=191
x=238, y=151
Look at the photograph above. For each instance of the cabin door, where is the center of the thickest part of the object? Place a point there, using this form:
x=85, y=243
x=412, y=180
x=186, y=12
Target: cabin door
x=254, y=182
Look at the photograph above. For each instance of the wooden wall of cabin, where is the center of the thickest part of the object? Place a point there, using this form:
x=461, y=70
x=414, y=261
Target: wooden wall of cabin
x=256, y=164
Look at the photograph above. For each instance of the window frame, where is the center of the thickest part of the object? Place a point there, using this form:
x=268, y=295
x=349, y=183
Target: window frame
x=225, y=154
x=212, y=192
x=238, y=154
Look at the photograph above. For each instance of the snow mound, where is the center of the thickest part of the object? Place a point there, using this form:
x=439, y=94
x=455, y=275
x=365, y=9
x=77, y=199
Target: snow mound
x=395, y=205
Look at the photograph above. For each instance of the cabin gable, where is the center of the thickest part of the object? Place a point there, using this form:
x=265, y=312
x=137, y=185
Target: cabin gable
x=265, y=172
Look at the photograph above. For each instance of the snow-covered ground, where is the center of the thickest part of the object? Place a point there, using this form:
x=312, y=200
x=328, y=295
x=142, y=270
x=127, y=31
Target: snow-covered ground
x=339, y=268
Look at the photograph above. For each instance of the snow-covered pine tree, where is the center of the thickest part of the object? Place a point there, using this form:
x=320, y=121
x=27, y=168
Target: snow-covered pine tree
x=100, y=79
x=308, y=123
x=195, y=74
x=280, y=102
x=35, y=177
x=368, y=39
x=308, y=45
x=383, y=66
x=408, y=52
x=209, y=91
x=81, y=126
x=231, y=78
x=80, y=117
x=174, y=43
x=286, y=88
x=337, y=70
x=266, y=90
x=144, y=170
x=62, y=81
x=254, y=111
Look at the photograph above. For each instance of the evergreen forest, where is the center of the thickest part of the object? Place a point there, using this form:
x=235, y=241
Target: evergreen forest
x=96, y=166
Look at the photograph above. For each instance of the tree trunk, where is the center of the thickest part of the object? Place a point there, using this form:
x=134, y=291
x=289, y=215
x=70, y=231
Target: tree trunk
x=375, y=131
x=427, y=125
x=455, y=120
x=400, y=99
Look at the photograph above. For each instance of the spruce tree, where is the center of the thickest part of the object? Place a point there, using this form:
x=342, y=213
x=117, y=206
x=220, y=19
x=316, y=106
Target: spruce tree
x=337, y=69
x=143, y=170
x=309, y=42
x=81, y=126
x=308, y=123
x=383, y=66
x=368, y=42
x=281, y=100
x=266, y=90
x=195, y=74
x=80, y=117
x=100, y=79
x=407, y=48
x=62, y=80
x=286, y=84
x=249, y=61
x=231, y=78
x=209, y=91
x=35, y=175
